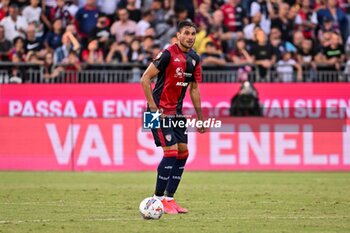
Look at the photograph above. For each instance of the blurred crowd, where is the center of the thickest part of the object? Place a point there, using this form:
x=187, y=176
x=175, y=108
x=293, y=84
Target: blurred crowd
x=288, y=35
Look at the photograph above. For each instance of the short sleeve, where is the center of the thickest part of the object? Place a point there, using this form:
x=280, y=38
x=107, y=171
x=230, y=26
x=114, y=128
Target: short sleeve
x=162, y=60
x=198, y=72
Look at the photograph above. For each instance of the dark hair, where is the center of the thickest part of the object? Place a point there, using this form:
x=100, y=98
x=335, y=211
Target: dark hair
x=17, y=39
x=146, y=13
x=186, y=23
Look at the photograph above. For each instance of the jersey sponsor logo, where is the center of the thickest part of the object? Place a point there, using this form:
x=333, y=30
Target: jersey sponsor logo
x=179, y=73
x=182, y=84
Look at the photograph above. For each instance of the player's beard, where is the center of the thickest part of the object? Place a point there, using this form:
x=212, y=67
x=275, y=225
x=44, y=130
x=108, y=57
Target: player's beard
x=186, y=44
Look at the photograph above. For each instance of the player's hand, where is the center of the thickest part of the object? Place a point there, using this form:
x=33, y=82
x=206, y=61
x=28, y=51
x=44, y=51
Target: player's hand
x=201, y=130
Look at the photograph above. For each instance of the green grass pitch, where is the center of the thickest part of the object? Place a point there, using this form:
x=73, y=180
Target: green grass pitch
x=263, y=202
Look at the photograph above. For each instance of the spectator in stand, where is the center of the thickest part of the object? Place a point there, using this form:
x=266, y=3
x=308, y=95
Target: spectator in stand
x=93, y=54
x=124, y=24
x=158, y=11
x=117, y=53
x=181, y=14
x=235, y=17
x=61, y=12
x=32, y=43
x=298, y=39
x=147, y=45
x=203, y=16
x=14, y=24
x=211, y=56
x=135, y=54
x=46, y=6
x=345, y=6
x=144, y=23
x=71, y=7
x=21, y=3
x=279, y=45
x=218, y=21
x=102, y=34
x=189, y=5
x=319, y=4
x=214, y=37
x=306, y=20
x=69, y=43
x=250, y=28
x=338, y=17
x=240, y=55
x=327, y=26
x=282, y=22
x=5, y=45
x=334, y=54
x=4, y=7
x=53, y=38
x=85, y=20
x=134, y=12
x=266, y=10
x=308, y=57
x=71, y=67
x=263, y=55
x=108, y=8
x=286, y=66
x=292, y=15
x=50, y=70
x=17, y=55
x=32, y=14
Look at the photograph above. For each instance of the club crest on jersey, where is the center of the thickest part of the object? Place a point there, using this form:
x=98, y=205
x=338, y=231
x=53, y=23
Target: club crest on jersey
x=179, y=72
x=177, y=60
x=168, y=137
x=193, y=62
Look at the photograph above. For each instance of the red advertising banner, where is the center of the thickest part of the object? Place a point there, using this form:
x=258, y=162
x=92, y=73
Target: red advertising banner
x=98, y=127
x=121, y=145
x=127, y=100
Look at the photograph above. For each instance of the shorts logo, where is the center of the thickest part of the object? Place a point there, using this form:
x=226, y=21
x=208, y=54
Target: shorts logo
x=151, y=120
x=182, y=84
x=168, y=137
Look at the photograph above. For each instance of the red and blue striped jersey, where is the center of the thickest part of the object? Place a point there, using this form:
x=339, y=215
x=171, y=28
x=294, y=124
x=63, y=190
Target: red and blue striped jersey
x=177, y=70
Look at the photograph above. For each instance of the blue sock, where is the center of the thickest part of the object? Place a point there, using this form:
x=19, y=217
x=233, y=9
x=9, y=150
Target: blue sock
x=164, y=168
x=176, y=173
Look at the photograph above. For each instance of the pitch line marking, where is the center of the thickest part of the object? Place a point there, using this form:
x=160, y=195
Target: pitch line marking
x=183, y=218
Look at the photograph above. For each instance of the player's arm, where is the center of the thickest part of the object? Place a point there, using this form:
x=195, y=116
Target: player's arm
x=159, y=64
x=146, y=80
x=196, y=101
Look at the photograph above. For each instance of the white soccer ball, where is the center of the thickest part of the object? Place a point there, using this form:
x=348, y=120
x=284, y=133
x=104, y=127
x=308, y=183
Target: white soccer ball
x=151, y=208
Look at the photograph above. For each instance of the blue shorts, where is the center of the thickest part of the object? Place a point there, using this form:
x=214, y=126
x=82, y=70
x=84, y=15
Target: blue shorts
x=168, y=136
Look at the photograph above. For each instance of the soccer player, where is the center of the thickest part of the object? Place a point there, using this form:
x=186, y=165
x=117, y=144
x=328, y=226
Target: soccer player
x=177, y=67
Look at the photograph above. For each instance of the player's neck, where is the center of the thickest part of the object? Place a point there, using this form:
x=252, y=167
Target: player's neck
x=183, y=48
